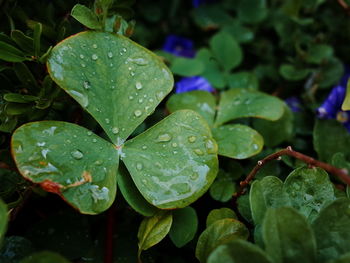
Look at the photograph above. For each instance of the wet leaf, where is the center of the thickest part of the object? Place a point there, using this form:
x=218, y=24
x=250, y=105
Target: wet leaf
x=44, y=257
x=3, y=220
x=114, y=79
x=85, y=16
x=200, y=101
x=332, y=230
x=238, y=251
x=132, y=196
x=219, y=232
x=153, y=229
x=238, y=141
x=174, y=162
x=184, y=227
x=63, y=158
x=242, y=103
x=288, y=237
x=221, y=213
x=309, y=189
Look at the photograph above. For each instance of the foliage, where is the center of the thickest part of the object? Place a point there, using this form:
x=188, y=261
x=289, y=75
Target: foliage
x=87, y=107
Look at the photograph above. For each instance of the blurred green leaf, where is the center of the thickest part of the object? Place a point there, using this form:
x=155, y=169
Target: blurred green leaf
x=252, y=11
x=292, y=73
x=10, y=53
x=23, y=41
x=319, y=52
x=3, y=220
x=218, y=214
x=187, y=66
x=85, y=16
x=38, y=28
x=19, y=98
x=245, y=80
x=44, y=257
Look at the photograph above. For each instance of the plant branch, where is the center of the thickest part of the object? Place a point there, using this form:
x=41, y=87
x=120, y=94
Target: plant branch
x=344, y=5
x=340, y=173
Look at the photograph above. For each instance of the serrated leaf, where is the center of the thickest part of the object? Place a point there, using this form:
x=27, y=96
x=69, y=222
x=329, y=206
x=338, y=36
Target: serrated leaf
x=226, y=50
x=309, y=190
x=132, y=195
x=242, y=103
x=219, y=232
x=44, y=257
x=332, y=230
x=288, y=237
x=153, y=229
x=238, y=141
x=63, y=158
x=243, y=80
x=218, y=214
x=238, y=251
x=85, y=16
x=10, y=53
x=200, y=101
x=186, y=66
x=110, y=75
x=174, y=162
x=184, y=227
x=3, y=220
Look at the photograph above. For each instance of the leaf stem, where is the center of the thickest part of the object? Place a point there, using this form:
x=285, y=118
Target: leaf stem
x=344, y=5
x=340, y=173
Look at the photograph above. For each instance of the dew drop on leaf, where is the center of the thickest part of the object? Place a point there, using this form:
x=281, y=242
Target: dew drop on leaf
x=81, y=56
x=94, y=57
x=77, y=154
x=107, y=121
x=165, y=137
x=94, y=45
x=86, y=85
x=110, y=54
x=137, y=113
x=138, y=85
x=115, y=130
x=139, y=166
x=198, y=151
x=81, y=98
x=192, y=138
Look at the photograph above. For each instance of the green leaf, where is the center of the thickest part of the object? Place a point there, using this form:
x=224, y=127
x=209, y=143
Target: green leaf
x=25, y=76
x=187, y=66
x=184, y=227
x=309, y=190
x=10, y=53
x=226, y=50
x=330, y=73
x=3, y=220
x=252, y=11
x=327, y=145
x=218, y=214
x=343, y=259
x=319, y=52
x=288, y=237
x=244, y=80
x=238, y=141
x=278, y=131
x=238, y=251
x=222, y=189
x=132, y=195
x=200, y=101
x=242, y=103
x=241, y=33
x=63, y=158
x=332, y=230
x=264, y=194
x=23, y=41
x=38, y=28
x=153, y=229
x=19, y=98
x=174, y=162
x=44, y=257
x=117, y=81
x=219, y=232
x=292, y=73
x=85, y=16
x=346, y=102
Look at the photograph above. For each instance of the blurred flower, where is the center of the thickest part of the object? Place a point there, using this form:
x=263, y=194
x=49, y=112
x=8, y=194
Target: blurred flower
x=179, y=46
x=193, y=83
x=197, y=3
x=293, y=103
x=331, y=107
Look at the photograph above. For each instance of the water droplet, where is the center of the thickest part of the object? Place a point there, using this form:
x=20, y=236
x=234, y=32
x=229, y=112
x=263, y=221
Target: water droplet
x=174, y=144
x=89, y=133
x=139, y=166
x=164, y=137
x=192, y=138
x=107, y=121
x=110, y=54
x=255, y=146
x=137, y=113
x=138, y=85
x=131, y=97
x=77, y=154
x=138, y=61
x=124, y=49
x=94, y=46
x=86, y=85
x=98, y=162
x=211, y=146
x=140, y=100
x=132, y=73
x=81, y=98
x=144, y=147
x=111, y=65
x=94, y=140
x=194, y=176
x=160, y=95
x=94, y=57
x=115, y=130
x=150, y=100
x=112, y=87
x=83, y=65
x=198, y=151
x=174, y=152
x=81, y=56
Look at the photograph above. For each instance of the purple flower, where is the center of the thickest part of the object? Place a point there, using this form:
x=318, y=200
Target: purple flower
x=293, y=103
x=197, y=3
x=193, y=83
x=179, y=46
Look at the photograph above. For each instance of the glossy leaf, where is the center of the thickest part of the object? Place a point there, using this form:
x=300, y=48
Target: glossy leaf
x=332, y=230
x=242, y=103
x=3, y=220
x=226, y=50
x=132, y=195
x=288, y=237
x=309, y=189
x=117, y=81
x=243, y=80
x=85, y=16
x=184, y=227
x=238, y=251
x=219, y=232
x=19, y=98
x=218, y=214
x=44, y=257
x=264, y=194
x=23, y=41
x=153, y=229
x=238, y=141
x=174, y=162
x=187, y=67
x=10, y=53
x=63, y=158
x=200, y=101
